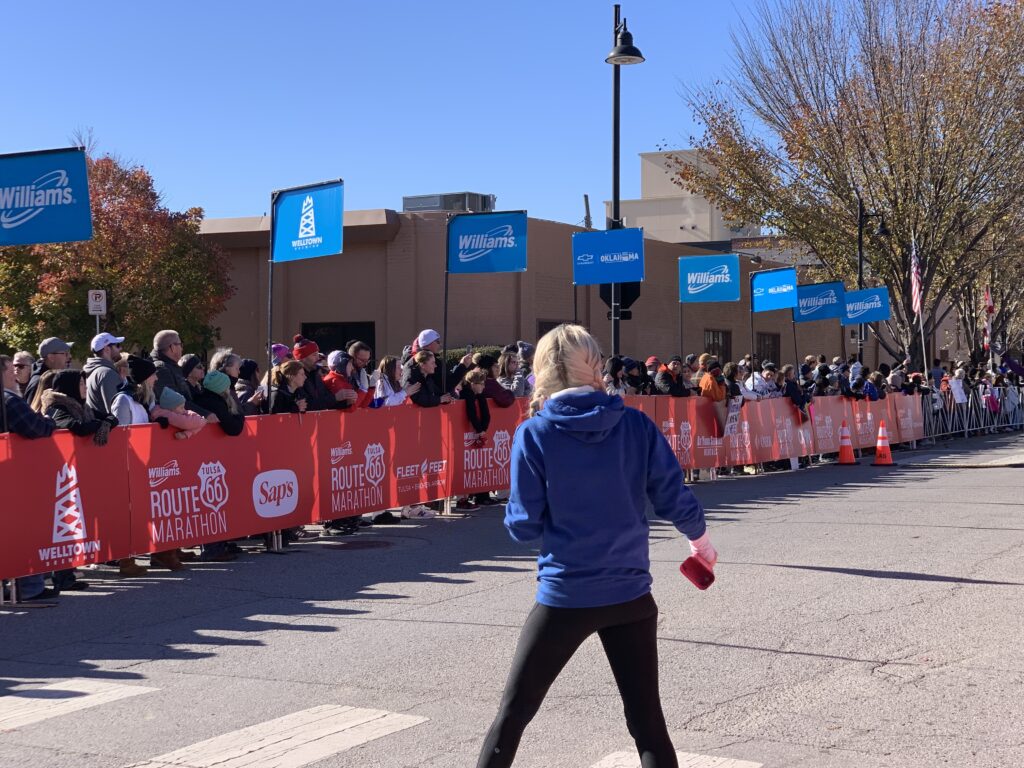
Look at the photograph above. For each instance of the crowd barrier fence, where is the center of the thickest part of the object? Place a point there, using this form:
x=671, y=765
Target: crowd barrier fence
x=71, y=502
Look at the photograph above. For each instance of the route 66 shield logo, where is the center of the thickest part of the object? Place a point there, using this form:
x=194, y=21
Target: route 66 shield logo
x=213, y=486
x=502, y=447
x=374, y=468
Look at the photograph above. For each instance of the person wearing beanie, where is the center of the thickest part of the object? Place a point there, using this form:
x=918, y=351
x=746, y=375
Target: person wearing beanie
x=217, y=396
x=339, y=380
x=170, y=407
x=670, y=381
x=194, y=369
x=317, y=396
x=280, y=353
x=135, y=396
x=166, y=355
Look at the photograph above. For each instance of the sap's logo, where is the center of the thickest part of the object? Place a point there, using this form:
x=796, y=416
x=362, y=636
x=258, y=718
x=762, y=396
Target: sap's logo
x=29, y=200
x=275, y=493
x=339, y=453
x=858, y=308
x=811, y=304
x=473, y=247
x=698, y=282
x=585, y=259
x=68, y=515
x=213, y=486
x=159, y=475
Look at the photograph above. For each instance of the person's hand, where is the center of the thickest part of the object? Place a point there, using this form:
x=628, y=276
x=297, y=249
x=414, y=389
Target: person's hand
x=446, y=399
x=257, y=397
x=163, y=422
x=458, y=391
x=467, y=360
x=301, y=405
x=212, y=419
x=412, y=389
x=703, y=549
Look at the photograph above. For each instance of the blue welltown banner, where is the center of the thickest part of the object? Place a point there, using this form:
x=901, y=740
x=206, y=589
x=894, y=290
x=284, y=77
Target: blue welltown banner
x=772, y=289
x=868, y=306
x=308, y=221
x=44, y=197
x=608, y=256
x=709, y=278
x=487, y=242
x=819, y=301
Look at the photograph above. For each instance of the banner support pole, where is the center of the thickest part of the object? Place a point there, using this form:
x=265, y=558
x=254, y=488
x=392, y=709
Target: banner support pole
x=753, y=351
x=796, y=352
x=270, y=308
x=681, y=345
x=444, y=326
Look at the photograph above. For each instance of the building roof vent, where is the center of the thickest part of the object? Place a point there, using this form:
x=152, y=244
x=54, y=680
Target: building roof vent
x=457, y=202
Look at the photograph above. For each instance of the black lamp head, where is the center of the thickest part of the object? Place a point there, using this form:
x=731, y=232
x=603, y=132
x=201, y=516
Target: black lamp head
x=624, y=51
x=882, y=231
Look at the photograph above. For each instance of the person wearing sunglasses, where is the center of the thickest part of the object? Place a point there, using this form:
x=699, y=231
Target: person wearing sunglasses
x=102, y=379
x=23, y=370
x=54, y=355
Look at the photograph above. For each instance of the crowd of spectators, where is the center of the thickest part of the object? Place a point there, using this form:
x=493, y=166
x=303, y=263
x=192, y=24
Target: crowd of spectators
x=184, y=394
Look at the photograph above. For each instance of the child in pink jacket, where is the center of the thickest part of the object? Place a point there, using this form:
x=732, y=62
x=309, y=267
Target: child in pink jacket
x=172, y=408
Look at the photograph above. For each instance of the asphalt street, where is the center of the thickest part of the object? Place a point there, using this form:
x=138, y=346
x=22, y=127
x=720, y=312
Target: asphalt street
x=862, y=617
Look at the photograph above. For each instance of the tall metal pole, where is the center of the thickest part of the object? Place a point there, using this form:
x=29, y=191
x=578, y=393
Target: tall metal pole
x=616, y=222
x=860, y=273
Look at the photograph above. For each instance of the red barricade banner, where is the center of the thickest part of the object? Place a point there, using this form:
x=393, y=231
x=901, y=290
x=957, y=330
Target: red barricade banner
x=213, y=487
x=866, y=418
x=67, y=502
x=909, y=417
x=827, y=415
x=421, y=454
x=477, y=469
x=353, y=462
x=690, y=425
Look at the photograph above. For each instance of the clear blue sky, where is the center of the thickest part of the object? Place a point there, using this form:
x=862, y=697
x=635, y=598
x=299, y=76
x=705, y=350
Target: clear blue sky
x=224, y=102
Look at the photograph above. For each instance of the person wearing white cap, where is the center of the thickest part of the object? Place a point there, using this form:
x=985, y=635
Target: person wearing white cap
x=102, y=379
x=429, y=340
x=54, y=355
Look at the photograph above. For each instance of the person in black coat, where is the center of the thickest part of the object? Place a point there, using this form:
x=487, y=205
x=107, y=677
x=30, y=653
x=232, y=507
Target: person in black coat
x=65, y=404
x=422, y=371
x=287, y=394
x=670, y=381
x=215, y=397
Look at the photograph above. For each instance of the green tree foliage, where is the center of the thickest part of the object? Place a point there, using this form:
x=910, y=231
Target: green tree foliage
x=157, y=271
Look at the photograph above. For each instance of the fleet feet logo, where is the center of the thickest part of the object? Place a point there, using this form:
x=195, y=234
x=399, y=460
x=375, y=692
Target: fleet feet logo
x=70, y=536
x=307, y=237
x=473, y=247
x=213, y=487
x=29, y=200
x=698, y=282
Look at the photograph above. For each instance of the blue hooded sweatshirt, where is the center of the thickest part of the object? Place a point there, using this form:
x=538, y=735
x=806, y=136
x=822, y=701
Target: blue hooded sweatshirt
x=582, y=469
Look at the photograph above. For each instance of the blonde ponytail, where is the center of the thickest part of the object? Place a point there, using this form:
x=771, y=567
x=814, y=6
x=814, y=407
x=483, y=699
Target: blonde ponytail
x=566, y=356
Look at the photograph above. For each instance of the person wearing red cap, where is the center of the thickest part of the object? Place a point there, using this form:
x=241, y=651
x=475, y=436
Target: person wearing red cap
x=318, y=396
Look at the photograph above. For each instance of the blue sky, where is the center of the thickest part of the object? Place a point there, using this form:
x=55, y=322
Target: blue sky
x=224, y=102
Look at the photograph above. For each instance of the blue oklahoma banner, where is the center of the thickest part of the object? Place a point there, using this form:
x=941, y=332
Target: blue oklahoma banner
x=819, y=301
x=709, y=278
x=608, y=256
x=487, y=242
x=772, y=289
x=44, y=197
x=867, y=306
x=307, y=221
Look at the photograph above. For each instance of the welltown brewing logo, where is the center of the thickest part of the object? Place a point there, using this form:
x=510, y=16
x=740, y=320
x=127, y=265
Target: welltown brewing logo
x=473, y=247
x=188, y=512
x=70, y=537
x=698, y=282
x=29, y=200
x=486, y=466
x=811, y=304
x=858, y=308
x=307, y=237
x=356, y=488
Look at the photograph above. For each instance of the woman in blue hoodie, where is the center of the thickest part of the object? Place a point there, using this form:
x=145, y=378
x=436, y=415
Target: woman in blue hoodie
x=582, y=468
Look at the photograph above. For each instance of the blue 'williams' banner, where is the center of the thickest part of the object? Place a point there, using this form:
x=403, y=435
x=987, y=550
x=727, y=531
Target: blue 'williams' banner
x=44, y=197
x=487, y=242
x=608, y=256
x=308, y=221
x=819, y=301
x=772, y=289
x=867, y=306
x=709, y=278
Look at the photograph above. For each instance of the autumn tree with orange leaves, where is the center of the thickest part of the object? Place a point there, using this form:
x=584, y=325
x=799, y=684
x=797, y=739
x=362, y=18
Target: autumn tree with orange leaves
x=915, y=106
x=157, y=271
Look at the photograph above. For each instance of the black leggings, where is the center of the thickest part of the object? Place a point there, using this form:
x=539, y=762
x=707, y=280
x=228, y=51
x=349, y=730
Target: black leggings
x=550, y=637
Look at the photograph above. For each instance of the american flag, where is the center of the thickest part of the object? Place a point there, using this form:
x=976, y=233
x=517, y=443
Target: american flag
x=990, y=310
x=915, y=278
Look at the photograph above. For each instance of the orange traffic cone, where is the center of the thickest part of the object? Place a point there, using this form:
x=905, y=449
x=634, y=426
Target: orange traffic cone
x=883, y=456
x=845, y=445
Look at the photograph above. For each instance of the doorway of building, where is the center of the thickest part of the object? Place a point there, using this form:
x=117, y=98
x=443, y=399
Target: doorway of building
x=331, y=336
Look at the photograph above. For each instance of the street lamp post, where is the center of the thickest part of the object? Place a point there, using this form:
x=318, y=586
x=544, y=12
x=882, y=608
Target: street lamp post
x=624, y=53
x=882, y=231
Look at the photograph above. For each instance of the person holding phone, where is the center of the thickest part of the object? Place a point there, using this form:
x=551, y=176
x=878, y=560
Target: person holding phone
x=582, y=467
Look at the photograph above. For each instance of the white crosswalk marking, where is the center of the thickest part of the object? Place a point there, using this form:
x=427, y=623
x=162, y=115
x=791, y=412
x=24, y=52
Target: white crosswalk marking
x=686, y=760
x=290, y=741
x=33, y=705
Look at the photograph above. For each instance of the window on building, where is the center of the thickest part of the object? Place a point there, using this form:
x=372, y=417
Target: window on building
x=543, y=326
x=331, y=336
x=719, y=344
x=769, y=347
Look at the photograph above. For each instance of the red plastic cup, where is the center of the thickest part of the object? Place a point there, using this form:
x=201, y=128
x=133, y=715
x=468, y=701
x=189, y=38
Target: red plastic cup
x=696, y=569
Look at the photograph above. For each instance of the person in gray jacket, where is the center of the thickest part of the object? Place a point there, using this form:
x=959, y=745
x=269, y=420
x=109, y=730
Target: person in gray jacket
x=102, y=380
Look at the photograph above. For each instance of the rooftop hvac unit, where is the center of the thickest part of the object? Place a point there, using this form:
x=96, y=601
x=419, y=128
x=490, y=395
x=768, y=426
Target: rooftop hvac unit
x=458, y=202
